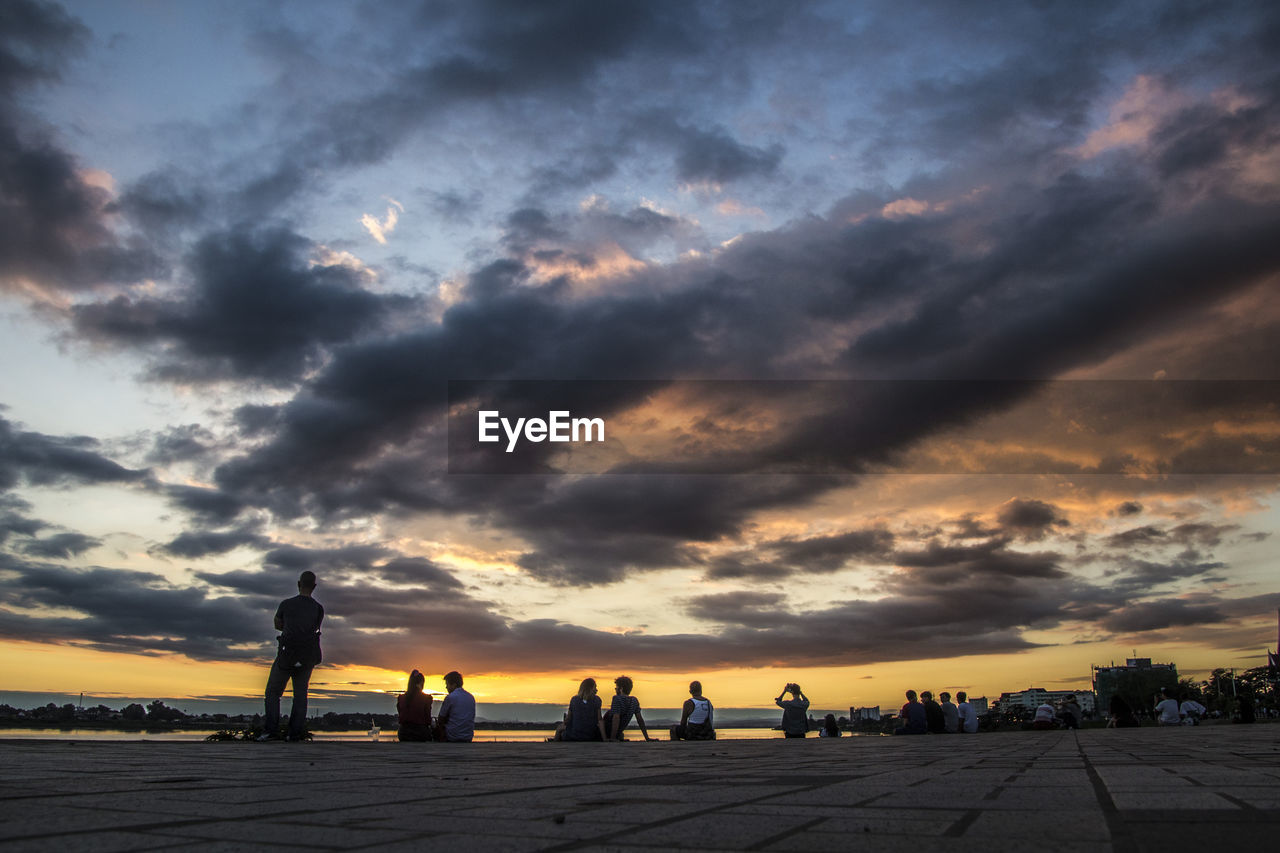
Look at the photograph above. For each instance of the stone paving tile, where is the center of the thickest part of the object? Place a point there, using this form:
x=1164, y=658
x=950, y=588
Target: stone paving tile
x=100, y=842
x=638, y=813
x=204, y=845
x=39, y=820
x=839, y=842
x=903, y=825
x=1050, y=826
x=734, y=831
x=1036, y=798
x=282, y=832
x=1194, y=799
x=992, y=791
x=446, y=841
x=869, y=813
x=573, y=827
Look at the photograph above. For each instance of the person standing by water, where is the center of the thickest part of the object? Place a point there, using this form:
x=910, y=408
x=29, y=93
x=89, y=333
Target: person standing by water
x=298, y=653
x=456, y=721
x=795, y=711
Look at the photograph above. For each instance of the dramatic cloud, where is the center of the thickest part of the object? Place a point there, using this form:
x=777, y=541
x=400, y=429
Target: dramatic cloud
x=54, y=229
x=42, y=460
x=257, y=309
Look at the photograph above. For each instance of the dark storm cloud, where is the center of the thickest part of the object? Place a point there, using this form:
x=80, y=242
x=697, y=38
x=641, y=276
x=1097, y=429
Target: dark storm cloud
x=952, y=563
x=345, y=559
x=257, y=587
x=716, y=157
x=1125, y=508
x=1188, y=534
x=126, y=611
x=257, y=309
x=813, y=555
x=1163, y=613
x=165, y=201
x=485, y=56
x=181, y=444
x=194, y=544
x=1143, y=575
x=35, y=41
x=14, y=519
x=44, y=460
x=971, y=317
x=743, y=607
x=53, y=224
x=599, y=529
x=1030, y=519
x=205, y=505
x=59, y=545
x=1144, y=535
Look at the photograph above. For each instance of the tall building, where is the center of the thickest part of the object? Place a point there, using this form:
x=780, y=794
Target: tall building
x=1137, y=681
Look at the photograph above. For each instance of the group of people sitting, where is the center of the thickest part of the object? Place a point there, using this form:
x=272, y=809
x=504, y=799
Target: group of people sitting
x=585, y=721
x=922, y=715
x=1171, y=712
x=455, y=722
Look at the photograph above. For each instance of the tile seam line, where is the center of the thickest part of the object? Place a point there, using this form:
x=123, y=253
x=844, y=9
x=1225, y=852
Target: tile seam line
x=599, y=839
x=1122, y=840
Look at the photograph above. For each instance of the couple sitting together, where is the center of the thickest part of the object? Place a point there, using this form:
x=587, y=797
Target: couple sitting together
x=583, y=721
x=455, y=721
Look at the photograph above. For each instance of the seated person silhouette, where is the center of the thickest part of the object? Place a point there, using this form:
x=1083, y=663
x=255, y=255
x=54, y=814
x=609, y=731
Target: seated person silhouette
x=697, y=717
x=414, y=709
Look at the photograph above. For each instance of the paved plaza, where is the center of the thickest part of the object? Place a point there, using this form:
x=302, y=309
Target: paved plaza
x=1211, y=787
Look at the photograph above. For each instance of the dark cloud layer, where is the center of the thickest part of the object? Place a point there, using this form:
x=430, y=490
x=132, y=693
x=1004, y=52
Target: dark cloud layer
x=43, y=460
x=256, y=309
x=54, y=229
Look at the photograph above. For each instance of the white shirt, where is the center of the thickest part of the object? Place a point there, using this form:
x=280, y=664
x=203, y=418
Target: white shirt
x=968, y=719
x=1168, y=711
x=1044, y=714
x=1192, y=708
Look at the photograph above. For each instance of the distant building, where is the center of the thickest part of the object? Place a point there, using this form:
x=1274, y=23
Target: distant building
x=1025, y=702
x=870, y=713
x=1137, y=681
x=979, y=704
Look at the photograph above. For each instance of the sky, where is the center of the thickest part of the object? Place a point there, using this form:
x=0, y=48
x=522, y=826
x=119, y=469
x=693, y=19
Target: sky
x=936, y=345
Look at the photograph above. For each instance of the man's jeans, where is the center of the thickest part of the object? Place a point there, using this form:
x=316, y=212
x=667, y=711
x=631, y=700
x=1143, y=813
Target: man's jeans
x=301, y=676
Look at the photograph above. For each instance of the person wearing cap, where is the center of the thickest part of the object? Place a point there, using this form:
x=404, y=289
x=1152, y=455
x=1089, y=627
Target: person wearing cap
x=297, y=654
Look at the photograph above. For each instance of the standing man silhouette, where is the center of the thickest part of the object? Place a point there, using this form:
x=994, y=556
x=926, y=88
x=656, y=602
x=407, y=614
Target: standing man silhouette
x=298, y=621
